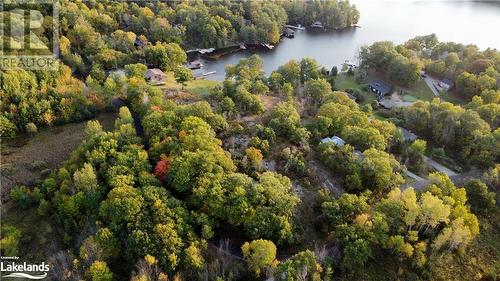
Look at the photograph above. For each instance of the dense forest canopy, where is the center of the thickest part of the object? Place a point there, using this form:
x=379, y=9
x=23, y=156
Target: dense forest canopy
x=160, y=209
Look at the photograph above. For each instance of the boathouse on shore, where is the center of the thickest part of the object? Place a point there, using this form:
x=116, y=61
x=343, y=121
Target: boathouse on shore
x=289, y=33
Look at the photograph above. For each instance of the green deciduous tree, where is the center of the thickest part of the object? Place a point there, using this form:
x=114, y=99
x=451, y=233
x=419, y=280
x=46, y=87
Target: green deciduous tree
x=316, y=90
x=260, y=255
x=380, y=170
x=285, y=121
x=136, y=70
x=9, y=242
x=481, y=199
x=183, y=75
x=99, y=271
x=85, y=179
x=167, y=56
x=301, y=266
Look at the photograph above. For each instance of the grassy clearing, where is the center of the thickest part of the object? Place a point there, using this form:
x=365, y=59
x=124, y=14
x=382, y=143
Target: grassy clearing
x=344, y=82
x=409, y=98
x=49, y=147
x=419, y=91
x=200, y=87
x=378, y=116
x=454, y=97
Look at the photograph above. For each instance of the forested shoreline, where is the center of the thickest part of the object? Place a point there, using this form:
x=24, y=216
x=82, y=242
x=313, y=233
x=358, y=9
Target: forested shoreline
x=98, y=37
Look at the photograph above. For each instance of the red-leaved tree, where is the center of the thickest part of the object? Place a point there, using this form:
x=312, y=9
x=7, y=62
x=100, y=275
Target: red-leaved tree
x=161, y=169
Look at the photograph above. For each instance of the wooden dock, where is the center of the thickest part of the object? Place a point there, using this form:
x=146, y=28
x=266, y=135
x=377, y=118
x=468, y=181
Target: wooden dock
x=295, y=27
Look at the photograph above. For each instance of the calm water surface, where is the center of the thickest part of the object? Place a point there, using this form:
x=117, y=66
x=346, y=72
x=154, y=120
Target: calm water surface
x=464, y=22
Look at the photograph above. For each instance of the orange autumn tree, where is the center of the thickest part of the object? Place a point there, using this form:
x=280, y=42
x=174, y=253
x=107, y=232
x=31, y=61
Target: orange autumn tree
x=161, y=168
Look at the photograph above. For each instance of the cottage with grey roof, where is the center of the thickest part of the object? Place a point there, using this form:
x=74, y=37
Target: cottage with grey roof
x=380, y=88
x=446, y=84
x=335, y=140
x=155, y=75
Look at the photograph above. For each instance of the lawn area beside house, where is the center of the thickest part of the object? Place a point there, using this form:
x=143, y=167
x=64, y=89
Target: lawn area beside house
x=344, y=82
x=199, y=87
x=419, y=91
x=454, y=97
x=378, y=116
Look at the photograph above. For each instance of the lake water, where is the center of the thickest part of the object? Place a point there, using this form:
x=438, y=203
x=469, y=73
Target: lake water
x=464, y=22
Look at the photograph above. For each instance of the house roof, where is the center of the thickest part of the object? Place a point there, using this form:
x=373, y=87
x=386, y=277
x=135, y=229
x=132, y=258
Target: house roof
x=407, y=135
x=154, y=72
x=335, y=140
x=447, y=82
x=381, y=86
x=139, y=42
